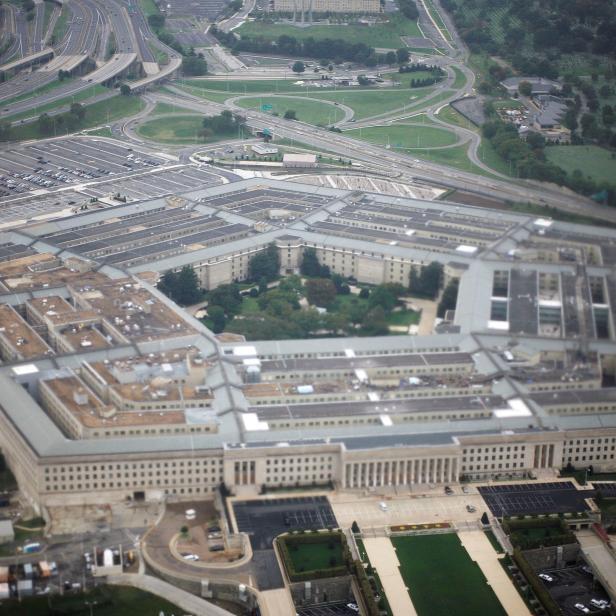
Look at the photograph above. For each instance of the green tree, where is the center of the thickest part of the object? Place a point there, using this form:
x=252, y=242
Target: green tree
x=125, y=89
x=46, y=124
x=449, y=298
x=402, y=55
x=228, y=297
x=320, y=291
x=298, y=67
x=187, y=290
x=79, y=111
x=309, y=265
x=390, y=57
x=375, y=323
x=290, y=114
x=265, y=264
x=427, y=282
x=217, y=317
x=194, y=66
x=525, y=88
x=383, y=297
x=156, y=21
x=5, y=131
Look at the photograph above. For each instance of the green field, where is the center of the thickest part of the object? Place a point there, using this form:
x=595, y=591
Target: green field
x=594, y=162
x=460, y=80
x=111, y=601
x=385, y=35
x=404, y=137
x=67, y=100
x=306, y=110
x=179, y=130
x=365, y=102
x=149, y=7
x=99, y=113
x=442, y=579
x=404, y=317
x=61, y=25
x=451, y=116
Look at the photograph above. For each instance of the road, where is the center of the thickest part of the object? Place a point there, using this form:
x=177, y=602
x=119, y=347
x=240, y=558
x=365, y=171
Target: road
x=405, y=168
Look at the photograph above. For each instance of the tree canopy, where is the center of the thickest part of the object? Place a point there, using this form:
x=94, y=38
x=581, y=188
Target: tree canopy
x=182, y=287
x=265, y=264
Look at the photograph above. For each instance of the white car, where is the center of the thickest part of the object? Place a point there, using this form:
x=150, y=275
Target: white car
x=546, y=577
x=582, y=608
x=383, y=506
x=353, y=607
x=190, y=557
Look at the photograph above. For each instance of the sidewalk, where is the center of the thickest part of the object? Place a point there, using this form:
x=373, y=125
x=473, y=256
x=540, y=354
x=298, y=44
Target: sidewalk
x=481, y=551
x=384, y=559
x=188, y=602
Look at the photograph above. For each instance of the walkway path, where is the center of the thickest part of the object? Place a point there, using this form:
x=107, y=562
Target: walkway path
x=276, y=603
x=187, y=601
x=481, y=551
x=384, y=559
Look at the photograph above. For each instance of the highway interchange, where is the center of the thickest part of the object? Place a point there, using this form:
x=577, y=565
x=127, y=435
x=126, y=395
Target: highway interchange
x=91, y=22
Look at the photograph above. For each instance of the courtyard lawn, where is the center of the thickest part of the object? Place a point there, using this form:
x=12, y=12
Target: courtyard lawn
x=442, y=579
x=386, y=35
x=316, y=556
x=404, y=317
x=404, y=137
x=111, y=601
x=308, y=111
x=594, y=162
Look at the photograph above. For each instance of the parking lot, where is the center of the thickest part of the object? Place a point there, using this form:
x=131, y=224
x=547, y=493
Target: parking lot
x=574, y=586
x=57, y=178
x=265, y=519
x=67, y=162
x=535, y=498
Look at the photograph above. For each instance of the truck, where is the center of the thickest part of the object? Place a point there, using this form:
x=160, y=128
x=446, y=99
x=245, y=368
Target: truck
x=30, y=548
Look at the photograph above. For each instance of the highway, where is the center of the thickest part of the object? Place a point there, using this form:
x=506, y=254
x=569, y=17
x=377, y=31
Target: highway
x=400, y=165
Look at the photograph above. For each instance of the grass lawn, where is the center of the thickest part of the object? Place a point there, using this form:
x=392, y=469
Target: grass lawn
x=368, y=103
x=112, y=601
x=183, y=129
x=460, y=80
x=594, y=162
x=438, y=19
x=313, y=556
x=442, y=579
x=386, y=35
x=494, y=541
x=451, y=116
x=402, y=137
x=161, y=108
x=489, y=156
x=305, y=110
x=404, y=317
x=149, y=7
x=96, y=114
x=67, y=100
x=61, y=25
x=365, y=102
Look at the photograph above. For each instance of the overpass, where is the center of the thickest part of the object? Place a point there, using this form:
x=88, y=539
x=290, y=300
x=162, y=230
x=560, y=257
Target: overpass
x=31, y=60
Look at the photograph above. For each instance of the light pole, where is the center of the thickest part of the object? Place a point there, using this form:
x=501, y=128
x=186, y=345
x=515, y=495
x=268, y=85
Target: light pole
x=91, y=605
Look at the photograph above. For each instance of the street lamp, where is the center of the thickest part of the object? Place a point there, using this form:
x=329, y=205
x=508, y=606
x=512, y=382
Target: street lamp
x=91, y=605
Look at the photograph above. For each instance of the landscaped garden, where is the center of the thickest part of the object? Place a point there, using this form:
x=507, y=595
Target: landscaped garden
x=315, y=304
x=312, y=555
